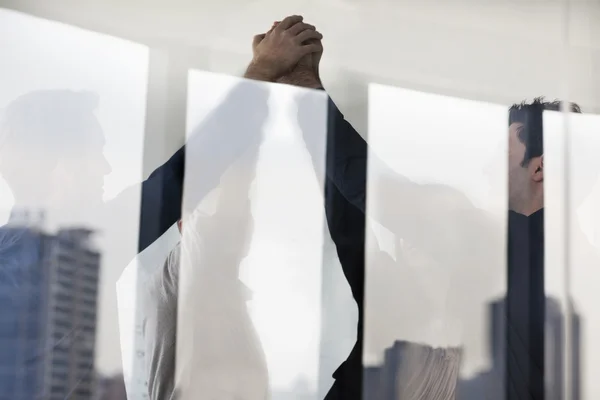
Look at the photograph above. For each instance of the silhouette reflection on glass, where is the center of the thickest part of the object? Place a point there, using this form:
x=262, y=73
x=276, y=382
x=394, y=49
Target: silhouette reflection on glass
x=50, y=133
x=346, y=224
x=51, y=157
x=218, y=353
x=58, y=139
x=108, y=75
x=283, y=263
x=228, y=358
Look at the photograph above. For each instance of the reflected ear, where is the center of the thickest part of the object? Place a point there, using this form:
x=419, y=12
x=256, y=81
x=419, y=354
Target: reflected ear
x=537, y=169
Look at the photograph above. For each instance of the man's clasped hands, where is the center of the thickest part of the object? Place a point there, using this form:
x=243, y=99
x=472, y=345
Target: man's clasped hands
x=289, y=53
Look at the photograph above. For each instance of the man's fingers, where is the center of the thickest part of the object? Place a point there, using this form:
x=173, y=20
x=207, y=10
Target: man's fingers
x=288, y=22
x=308, y=34
x=318, y=43
x=257, y=39
x=300, y=27
x=310, y=48
x=273, y=27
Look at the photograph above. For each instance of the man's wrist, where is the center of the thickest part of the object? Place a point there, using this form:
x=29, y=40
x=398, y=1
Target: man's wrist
x=258, y=72
x=302, y=78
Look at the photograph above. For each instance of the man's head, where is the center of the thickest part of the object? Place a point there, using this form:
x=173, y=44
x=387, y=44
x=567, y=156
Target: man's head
x=51, y=149
x=526, y=153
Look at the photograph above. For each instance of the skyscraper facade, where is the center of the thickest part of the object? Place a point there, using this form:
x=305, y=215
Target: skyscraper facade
x=555, y=360
x=48, y=294
x=411, y=370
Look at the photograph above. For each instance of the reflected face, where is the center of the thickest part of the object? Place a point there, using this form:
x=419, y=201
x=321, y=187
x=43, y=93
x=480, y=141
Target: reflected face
x=52, y=153
x=58, y=169
x=78, y=178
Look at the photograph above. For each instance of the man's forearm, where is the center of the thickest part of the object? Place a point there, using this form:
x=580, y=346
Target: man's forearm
x=345, y=151
x=258, y=73
x=347, y=158
x=302, y=77
x=233, y=128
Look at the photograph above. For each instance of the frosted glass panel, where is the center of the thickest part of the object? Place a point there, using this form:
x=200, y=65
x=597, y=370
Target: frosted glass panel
x=437, y=183
x=72, y=111
x=252, y=251
x=572, y=252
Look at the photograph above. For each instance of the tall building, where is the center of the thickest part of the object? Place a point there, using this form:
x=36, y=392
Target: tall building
x=22, y=297
x=48, y=295
x=415, y=371
x=111, y=388
x=554, y=347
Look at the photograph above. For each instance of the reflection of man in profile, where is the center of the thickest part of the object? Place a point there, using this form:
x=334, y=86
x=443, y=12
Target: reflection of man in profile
x=51, y=156
x=52, y=151
x=51, y=143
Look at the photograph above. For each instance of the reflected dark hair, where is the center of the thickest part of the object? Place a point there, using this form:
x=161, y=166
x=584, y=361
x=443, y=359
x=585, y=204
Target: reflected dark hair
x=530, y=115
x=42, y=118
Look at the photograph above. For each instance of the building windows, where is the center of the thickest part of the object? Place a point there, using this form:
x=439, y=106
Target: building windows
x=88, y=315
x=89, y=290
x=57, y=389
x=62, y=310
x=66, y=324
x=67, y=298
x=60, y=362
x=60, y=376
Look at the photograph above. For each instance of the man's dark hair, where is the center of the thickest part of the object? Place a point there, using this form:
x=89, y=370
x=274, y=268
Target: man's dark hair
x=530, y=115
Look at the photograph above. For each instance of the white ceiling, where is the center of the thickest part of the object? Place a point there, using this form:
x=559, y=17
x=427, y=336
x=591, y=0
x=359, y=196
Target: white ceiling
x=501, y=51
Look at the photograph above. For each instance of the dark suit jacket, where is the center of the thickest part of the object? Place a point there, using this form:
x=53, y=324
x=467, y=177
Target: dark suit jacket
x=345, y=205
x=211, y=149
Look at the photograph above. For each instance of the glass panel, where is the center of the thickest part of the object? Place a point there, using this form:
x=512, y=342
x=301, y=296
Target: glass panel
x=428, y=85
x=71, y=139
x=437, y=185
x=572, y=250
x=251, y=253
